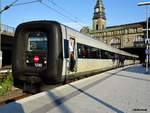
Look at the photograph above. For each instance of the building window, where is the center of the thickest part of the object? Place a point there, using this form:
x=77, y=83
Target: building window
x=103, y=27
x=115, y=42
x=126, y=31
x=139, y=41
x=96, y=26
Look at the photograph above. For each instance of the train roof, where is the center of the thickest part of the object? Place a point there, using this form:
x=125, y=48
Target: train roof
x=87, y=40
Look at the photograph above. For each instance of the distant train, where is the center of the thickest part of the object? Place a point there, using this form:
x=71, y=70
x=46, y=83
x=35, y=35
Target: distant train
x=47, y=52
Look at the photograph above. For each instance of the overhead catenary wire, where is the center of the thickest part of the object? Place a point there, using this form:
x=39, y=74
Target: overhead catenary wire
x=25, y=3
x=51, y=8
x=17, y=4
x=67, y=12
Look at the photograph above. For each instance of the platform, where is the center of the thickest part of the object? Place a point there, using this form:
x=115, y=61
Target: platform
x=123, y=90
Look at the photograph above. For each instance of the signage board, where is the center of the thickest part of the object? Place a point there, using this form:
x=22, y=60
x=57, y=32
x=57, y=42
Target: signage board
x=147, y=51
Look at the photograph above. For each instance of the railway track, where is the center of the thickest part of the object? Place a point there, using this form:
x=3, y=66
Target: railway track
x=13, y=96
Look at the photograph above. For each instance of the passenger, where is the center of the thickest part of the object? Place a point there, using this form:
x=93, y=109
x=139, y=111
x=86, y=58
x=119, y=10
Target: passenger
x=118, y=61
x=84, y=53
x=72, y=61
x=122, y=59
x=113, y=59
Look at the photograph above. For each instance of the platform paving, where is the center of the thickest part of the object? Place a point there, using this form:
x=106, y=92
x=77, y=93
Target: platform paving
x=124, y=90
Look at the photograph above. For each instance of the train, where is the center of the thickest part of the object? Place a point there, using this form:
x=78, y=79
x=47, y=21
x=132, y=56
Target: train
x=48, y=52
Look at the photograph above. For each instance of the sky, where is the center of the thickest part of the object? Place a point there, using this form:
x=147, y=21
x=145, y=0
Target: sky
x=79, y=12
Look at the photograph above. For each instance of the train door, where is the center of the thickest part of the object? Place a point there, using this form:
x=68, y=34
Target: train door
x=72, y=55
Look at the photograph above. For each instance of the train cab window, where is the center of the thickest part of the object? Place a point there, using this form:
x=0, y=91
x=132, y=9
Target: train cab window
x=37, y=41
x=36, y=54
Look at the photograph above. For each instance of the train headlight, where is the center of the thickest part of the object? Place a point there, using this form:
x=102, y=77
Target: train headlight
x=45, y=62
x=27, y=61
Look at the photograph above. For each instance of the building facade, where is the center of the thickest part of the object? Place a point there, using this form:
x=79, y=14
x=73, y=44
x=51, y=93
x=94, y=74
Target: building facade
x=122, y=36
x=128, y=37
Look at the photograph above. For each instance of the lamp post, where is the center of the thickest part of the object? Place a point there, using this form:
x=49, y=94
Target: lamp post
x=147, y=41
x=0, y=37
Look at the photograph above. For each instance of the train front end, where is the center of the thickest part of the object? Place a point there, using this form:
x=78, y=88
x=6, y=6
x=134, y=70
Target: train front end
x=37, y=55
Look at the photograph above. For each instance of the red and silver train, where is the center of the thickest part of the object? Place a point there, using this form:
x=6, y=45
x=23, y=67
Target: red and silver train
x=47, y=52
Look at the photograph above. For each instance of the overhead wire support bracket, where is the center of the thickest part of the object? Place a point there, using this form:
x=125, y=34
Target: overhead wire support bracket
x=8, y=6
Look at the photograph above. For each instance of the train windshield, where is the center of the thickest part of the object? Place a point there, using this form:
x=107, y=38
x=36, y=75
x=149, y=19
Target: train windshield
x=37, y=41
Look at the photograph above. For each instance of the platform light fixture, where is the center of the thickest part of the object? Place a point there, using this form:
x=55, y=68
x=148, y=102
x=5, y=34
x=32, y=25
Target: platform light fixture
x=0, y=35
x=143, y=3
x=147, y=40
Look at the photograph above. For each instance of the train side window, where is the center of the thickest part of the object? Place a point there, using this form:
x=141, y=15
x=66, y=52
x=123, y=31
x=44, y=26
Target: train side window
x=111, y=55
x=66, y=48
x=106, y=54
x=103, y=54
x=94, y=53
x=82, y=51
x=100, y=53
x=79, y=50
x=85, y=51
x=89, y=52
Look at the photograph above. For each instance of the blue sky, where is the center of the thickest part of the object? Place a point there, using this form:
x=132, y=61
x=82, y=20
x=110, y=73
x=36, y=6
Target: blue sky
x=117, y=12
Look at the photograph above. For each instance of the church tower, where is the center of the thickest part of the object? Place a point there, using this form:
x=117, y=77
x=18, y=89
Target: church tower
x=99, y=18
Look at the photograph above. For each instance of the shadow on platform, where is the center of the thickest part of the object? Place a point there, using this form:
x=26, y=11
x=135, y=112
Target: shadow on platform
x=136, y=78
x=137, y=69
x=13, y=107
x=98, y=100
x=59, y=102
